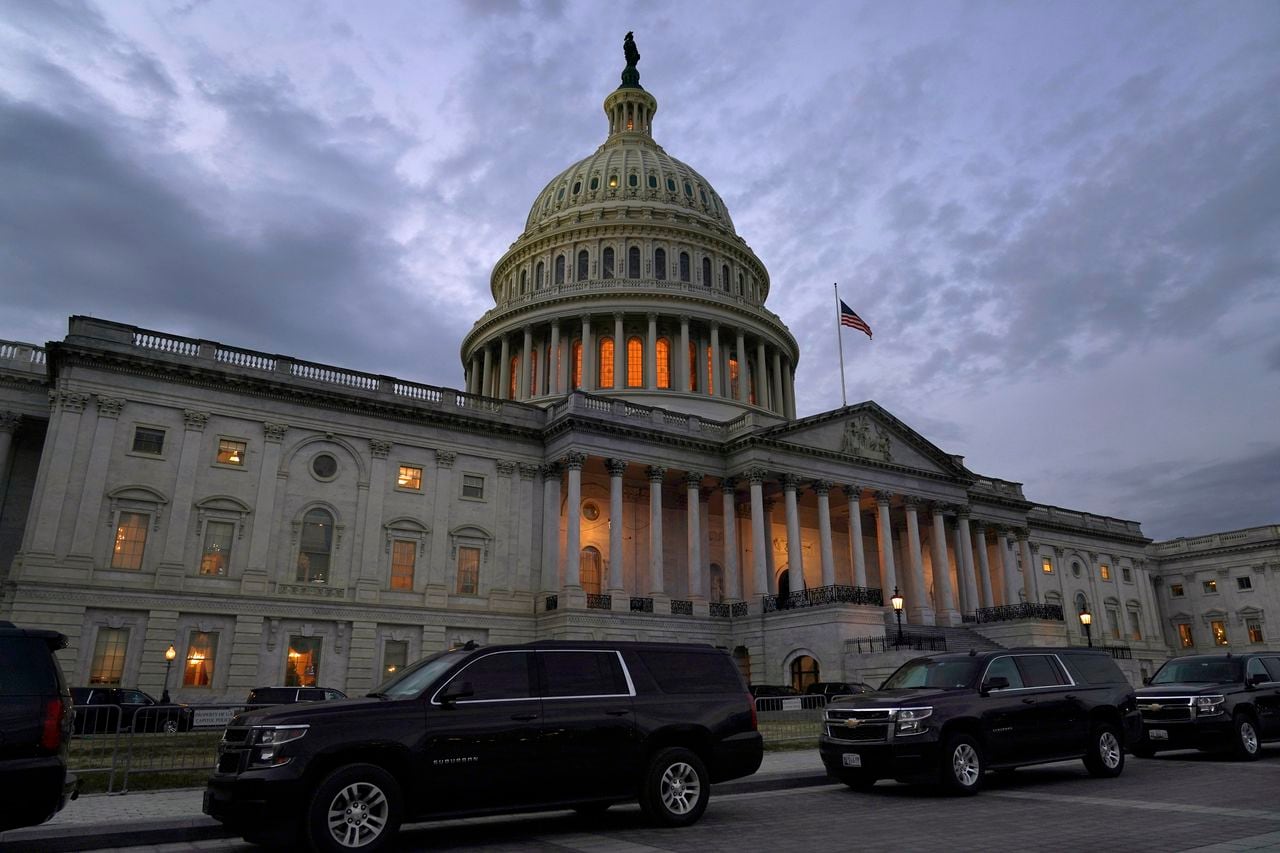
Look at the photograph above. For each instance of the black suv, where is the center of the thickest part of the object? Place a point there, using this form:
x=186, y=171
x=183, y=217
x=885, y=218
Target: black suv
x=289, y=695
x=35, y=725
x=470, y=731
x=115, y=709
x=949, y=718
x=1212, y=702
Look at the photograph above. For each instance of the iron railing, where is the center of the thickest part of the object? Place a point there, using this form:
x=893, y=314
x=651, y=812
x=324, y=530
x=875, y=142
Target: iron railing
x=641, y=605
x=820, y=595
x=553, y=601
x=895, y=643
x=599, y=602
x=681, y=607
x=718, y=609
x=1014, y=612
x=1119, y=652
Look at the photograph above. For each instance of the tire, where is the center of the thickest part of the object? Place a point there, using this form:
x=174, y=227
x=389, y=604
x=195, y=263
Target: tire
x=675, y=788
x=962, y=765
x=857, y=780
x=1105, y=755
x=1244, y=738
x=356, y=807
x=170, y=727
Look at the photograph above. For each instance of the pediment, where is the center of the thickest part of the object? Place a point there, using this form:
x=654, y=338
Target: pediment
x=868, y=433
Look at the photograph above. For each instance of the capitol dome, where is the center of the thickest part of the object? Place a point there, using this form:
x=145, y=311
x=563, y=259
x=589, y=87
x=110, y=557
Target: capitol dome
x=630, y=257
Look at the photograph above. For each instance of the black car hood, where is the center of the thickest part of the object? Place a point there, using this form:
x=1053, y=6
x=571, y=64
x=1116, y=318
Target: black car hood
x=891, y=698
x=302, y=712
x=1185, y=688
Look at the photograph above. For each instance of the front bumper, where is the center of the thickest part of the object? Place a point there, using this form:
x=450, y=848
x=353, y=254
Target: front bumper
x=1202, y=733
x=905, y=758
x=252, y=800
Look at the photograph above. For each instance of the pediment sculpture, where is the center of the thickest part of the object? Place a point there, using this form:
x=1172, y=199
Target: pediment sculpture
x=866, y=438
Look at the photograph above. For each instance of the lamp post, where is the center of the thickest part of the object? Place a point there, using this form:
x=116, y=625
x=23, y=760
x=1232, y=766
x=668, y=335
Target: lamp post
x=897, y=601
x=1086, y=619
x=169, y=654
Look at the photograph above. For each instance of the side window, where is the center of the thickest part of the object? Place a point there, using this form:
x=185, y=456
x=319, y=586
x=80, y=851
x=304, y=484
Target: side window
x=1255, y=667
x=582, y=674
x=504, y=675
x=1273, y=667
x=1004, y=666
x=1039, y=671
x=132, y=697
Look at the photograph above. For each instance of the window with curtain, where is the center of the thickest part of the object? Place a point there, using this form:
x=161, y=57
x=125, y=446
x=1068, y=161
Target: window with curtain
x=216, y=558
x=316, y=547
x=404, y=558
x=635, y=362
x=589, y=570
x=198, y=671
x=468, y=570
x=606, y=362
x=131, y=541
x=664, y=362
x=107, y=666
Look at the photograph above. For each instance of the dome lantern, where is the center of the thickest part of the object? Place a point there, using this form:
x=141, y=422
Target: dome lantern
x=629, y=107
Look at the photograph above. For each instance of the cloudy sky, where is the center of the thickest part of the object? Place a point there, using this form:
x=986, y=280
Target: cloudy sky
x=1062, y=220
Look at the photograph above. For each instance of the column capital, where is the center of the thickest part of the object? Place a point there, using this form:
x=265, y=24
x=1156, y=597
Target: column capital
x=821, y=487
x=757, y=475
x=550, y=470
x=684, y=319
x=693, y=479
x=655, y=473
x=651, y=316
x=274, y=432
x=790, y=482
x=853, y=493
x=505, y=467
x=939, y=507
x=444, y=458
x=962, y=510
x=10, y=421
x=618, y=315
x=912, y=502
x=1021, y=533
x=194, y=420
x=379, y=449
x=615, y=467
x=574, y=460
x=527, y=471
x=883, y=498
x=980, y=526
x=110, y=407
x=527, y=328
x=70, y=401
x=729, y=485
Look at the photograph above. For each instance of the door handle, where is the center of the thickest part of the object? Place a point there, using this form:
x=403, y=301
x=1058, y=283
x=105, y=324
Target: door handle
x=619, y=713
x=1028, y=701
x=524, y=718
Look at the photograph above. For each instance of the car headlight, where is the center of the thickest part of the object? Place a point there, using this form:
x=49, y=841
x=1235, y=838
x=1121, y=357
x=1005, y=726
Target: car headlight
x=266, y=741
x=913, y=721
x=1209, y=706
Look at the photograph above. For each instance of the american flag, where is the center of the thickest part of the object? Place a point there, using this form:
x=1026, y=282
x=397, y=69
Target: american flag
x=848, y=317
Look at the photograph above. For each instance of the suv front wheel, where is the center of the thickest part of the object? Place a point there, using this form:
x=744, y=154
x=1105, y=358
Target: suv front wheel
x=1106, y=754
x=962, y=765
x=675, y=788
x=356, y=807
x=1245, y=744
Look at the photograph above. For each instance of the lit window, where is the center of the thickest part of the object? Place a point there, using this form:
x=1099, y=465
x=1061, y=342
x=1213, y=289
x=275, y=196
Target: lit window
x=316, y=547
x=109, y=651
x=664, y=363
x=216, y=557
x=711, y=374
x=733, y=377
x=613, y=182
x=635, y=362
x=1105, y=570
x=533, y=371
x=1184, y=635
x=302, y=662
x=131, y=540
x=1135, y=626
x=660, y=264
x=200, y=651
x=404, y=555
x=149, y=441
x=1254, y=626
x=231, y=452
x=1219, y=631
x=606, y=363
x=1210, y=587
x=589, y=570
x=473, y=486
x=1244, y=583
x=804, y=671
x=1046, y=566
x=513, y=375
x=395, y=654
x=410, y=477
x=468, y=570
x=1175, y=590
x=577, y=364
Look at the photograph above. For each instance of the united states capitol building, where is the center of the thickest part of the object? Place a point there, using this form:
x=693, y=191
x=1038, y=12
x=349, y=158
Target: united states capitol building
x=623, y=461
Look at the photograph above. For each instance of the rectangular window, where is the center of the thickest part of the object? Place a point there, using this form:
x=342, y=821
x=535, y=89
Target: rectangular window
x=468, y=570
x=582, y=674
x=395, y=654
x=1254, y=626
x=1184, y=635
x=1135, y=626
x=231, y=452
x=216, y=558
x=131, y=540
x=1126, y=574
x=148, y=440
x=1210, y=587
x=1244, y=583
x=1113, y=623
x=302, y=666
x=404, y=556
x=1106, y=571
x=1175, y=590
x=1219, y=631
x=1047, y=566
x=473, y=486
x=410, y=477
x=200, y=652
x=109, y=650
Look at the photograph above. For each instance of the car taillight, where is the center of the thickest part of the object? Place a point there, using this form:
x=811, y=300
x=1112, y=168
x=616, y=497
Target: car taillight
x=755, y=721
x=51, y=731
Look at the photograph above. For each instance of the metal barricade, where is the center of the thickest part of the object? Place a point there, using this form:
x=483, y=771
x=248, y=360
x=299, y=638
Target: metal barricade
x=790, y=718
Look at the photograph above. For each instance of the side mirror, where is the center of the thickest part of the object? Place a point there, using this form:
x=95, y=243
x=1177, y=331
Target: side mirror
x=456, y=690
x=1258, y=678
x=995, y=682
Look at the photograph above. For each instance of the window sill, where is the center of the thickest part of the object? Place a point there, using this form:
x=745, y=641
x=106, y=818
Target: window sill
x=137, y=454
x=229, y=466
x=408, y=490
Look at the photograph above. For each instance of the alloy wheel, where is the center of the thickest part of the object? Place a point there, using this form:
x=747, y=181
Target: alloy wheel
x=680, y=788
x=1109, y=749
x=358, y=814
x=965, y=764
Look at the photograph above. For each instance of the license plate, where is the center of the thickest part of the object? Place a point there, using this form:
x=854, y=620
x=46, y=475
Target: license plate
x=1158, y=734
x=852, y=759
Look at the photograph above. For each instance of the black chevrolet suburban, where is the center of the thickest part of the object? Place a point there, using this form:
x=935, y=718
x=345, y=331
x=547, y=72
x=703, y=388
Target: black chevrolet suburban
x=1227, y=702
x=470, y=731
x=949, y=718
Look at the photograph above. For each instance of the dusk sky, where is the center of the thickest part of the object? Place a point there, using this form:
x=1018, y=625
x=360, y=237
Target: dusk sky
x=1061, y=220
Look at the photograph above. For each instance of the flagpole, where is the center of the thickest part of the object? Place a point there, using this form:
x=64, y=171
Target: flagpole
x=844, y=400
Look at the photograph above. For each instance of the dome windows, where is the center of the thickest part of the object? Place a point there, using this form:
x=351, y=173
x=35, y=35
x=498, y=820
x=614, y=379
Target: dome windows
x=633, y=180
x=706, y=272
x=684, y=266
x=606, y=263
x=664, y=362
x=606, y=362
x=688, y=189
x=724, y=277
x=537, y=276
x=595, y=182
x=660, y=264
x=613, y=182
x=583, y=263
x=633, y=262
x=703, y=194
x=671, y=185
x=524, y=282
x=635, y=362
x=653, y=181
x=577, y=187
x=559, y=269
x=560, y=195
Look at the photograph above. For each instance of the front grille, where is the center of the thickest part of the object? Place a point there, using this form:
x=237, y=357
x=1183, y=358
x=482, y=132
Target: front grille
x=1175, y=709
x=859, y=725
x=236, y=736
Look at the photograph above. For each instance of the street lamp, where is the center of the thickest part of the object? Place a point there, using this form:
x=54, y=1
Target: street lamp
x=1086, y=619
x=897, y=601
x=169, y=654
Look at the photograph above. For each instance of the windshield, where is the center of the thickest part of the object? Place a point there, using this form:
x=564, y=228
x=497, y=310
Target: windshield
x=412, y=680
x=1211, y=671
x=929, y=672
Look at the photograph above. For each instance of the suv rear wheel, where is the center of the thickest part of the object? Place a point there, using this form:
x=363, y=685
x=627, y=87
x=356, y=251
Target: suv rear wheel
x=675, y=788
x=962, y=765
x=356, y=807
x=1245, y=742
x=1106, y=754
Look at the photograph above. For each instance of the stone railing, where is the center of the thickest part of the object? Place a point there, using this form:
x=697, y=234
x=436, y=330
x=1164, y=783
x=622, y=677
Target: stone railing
x=820, y=595
x=1233, y=538
x=27, y=358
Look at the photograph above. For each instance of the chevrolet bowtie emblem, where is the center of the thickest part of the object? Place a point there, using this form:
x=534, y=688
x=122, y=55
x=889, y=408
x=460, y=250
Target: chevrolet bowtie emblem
x=851, y=723
x=1155, y=707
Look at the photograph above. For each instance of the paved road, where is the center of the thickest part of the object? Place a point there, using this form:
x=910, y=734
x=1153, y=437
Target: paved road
x=1185, y=801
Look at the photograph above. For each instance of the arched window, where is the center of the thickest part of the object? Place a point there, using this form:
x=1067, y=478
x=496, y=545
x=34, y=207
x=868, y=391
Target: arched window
x=742, y=285
x=524, y=281
x=1082, y=604
x=706, y=272
x=804, y=671
x=537, y=276
x=512, y=375
x=633, y=262
x=315, y=550
x=533, y=372
x=582, y=265
x=660, y=264
x=606, y=263
x=589, y=570
x=716, y=578
x=577, y=363
x=724, y=277
x=606, y=362
x=693, y=366
x=559, y=269
x=684, y=266
x=664, y=363
x=635, y=362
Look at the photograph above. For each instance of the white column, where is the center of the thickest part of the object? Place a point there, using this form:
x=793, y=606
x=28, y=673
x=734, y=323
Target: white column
x=95, y=476
x=650, y=377
x=947, y=613
x=715, y=382
x=9, y=422
x=655, y=475
x=789, y=389
x=857, y=558
x=759, y=565
x=744, y=389
x=795, y=550
x=729, y=521
x=555, y=364
x=1029, y=569
x=573, y=461
x=588, y=356
x=964, y=560
x=550, y=527
x=55, y=465
x=821, y=488
x=965, y=603
x=984, y=567
x=683, y=358
x=919, y=610
x=504, y=370
x=486, y=378
x=884, y=543
x=183, y=495
x=526, y=360
x=761, y=376
x=620, y=354
x=1008, y=573
x=777, y=396
x=370, y=547
x=693, y=532
x=616, y=468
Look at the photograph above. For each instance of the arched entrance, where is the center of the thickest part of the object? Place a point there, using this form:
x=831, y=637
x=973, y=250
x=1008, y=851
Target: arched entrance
x=804, y=671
